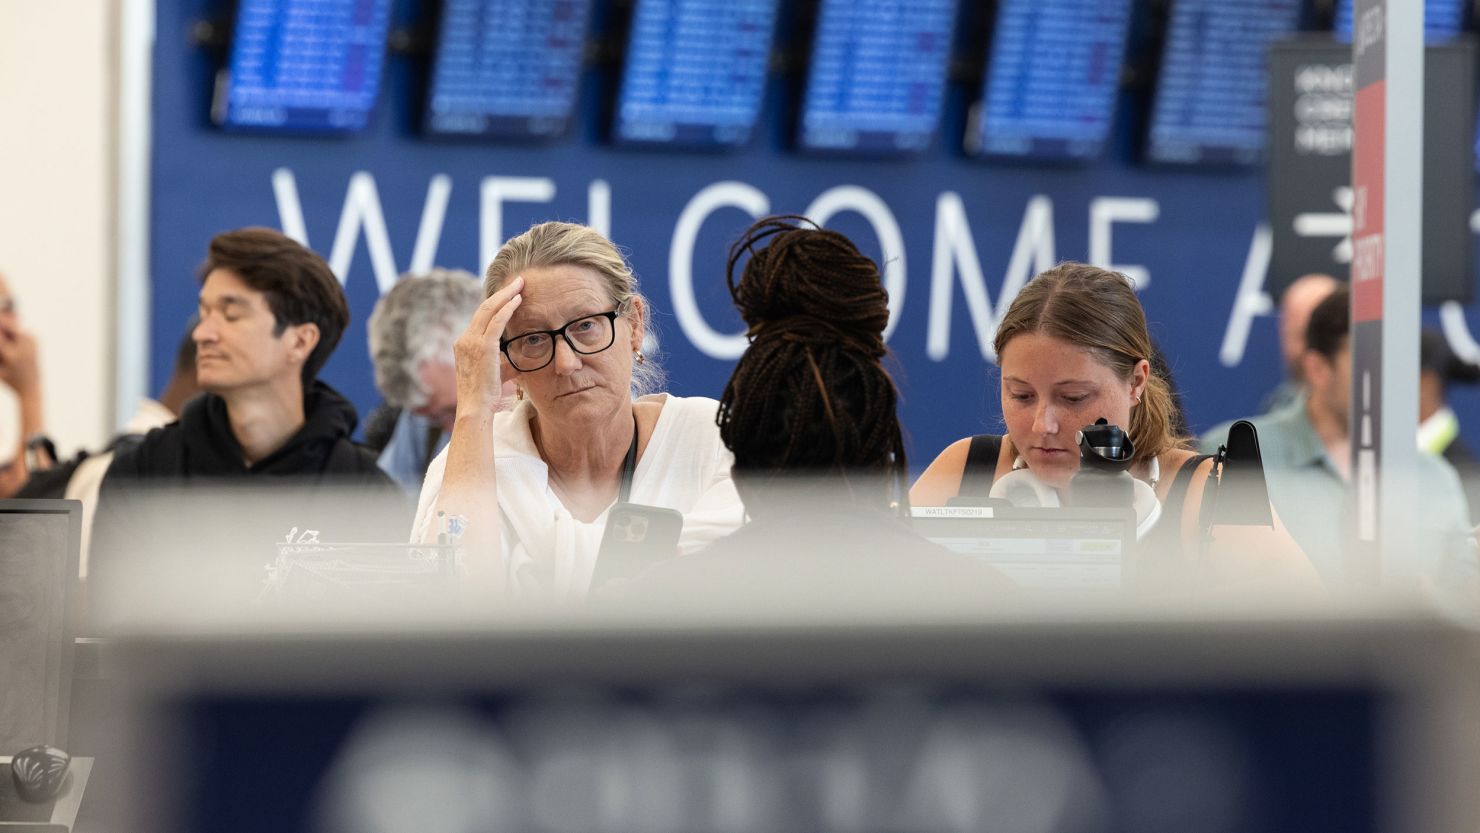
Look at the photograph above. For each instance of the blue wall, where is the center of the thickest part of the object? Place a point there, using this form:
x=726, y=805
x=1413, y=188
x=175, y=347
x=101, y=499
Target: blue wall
x=1195, y=251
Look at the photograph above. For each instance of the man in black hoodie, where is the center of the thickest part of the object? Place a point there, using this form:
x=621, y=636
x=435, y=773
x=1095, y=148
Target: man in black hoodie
x=271, y=312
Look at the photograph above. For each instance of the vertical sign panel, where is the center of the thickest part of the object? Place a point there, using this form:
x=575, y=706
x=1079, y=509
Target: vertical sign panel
x=1310, y=165
x=1368, y=150
x=1387, y=231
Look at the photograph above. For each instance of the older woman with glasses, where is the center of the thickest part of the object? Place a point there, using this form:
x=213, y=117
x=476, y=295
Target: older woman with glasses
x=527, y=491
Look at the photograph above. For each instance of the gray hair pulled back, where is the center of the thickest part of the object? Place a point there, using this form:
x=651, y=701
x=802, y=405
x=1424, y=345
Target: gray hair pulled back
x=571, y=244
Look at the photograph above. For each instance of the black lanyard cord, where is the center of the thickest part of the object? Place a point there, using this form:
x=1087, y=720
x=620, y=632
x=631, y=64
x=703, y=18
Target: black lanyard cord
x=629, y=466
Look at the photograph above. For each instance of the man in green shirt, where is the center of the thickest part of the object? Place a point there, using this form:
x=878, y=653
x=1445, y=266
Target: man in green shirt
x=1306, y=447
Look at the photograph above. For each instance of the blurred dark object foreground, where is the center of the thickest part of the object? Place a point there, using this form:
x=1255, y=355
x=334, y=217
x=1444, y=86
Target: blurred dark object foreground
x=901, y=720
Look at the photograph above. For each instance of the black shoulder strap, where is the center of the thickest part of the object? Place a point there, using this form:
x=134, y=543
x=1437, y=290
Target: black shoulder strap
x=1182, y=481
x=51, y=483
x=629, y=466
x=981, y=465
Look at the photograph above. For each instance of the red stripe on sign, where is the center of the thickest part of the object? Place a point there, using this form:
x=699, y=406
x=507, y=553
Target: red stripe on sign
x=1367, y=294
x=1368, y=147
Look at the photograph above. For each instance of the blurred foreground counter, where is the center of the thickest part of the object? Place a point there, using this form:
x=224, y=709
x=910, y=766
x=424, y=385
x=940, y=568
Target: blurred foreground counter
x=58, y=814
x=914, y=718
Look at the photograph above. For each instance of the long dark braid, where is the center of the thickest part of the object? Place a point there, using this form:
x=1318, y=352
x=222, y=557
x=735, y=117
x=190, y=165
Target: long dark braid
x=810, y=394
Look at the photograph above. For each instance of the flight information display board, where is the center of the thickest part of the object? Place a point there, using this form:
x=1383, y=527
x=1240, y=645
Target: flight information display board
x=1441, y=18
x=877, y=75
x=695, y=71
x=309, y=66
x=507, y=68
x=1210, y=96
x=1052, y=79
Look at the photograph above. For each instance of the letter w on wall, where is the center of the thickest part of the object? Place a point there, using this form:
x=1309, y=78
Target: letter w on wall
x=362, y=211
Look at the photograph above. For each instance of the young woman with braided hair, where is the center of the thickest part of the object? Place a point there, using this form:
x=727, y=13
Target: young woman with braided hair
x=809, y=415
x=811, y=395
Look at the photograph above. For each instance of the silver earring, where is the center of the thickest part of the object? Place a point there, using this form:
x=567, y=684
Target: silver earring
x=640, y=358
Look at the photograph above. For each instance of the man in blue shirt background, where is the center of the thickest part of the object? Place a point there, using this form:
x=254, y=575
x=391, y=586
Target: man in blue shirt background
x=411, y=333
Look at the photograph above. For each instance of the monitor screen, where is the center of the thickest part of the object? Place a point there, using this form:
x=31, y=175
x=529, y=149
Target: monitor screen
x=1052, y=79
x=877, y=75
x=695, y=71
x=1442, y=19
x=1037, y=549
x=507, y=68
x=303, y=66
x=1210, y=97
x=39, y=546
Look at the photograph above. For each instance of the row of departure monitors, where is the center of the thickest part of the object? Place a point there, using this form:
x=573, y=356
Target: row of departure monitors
x=695, y=72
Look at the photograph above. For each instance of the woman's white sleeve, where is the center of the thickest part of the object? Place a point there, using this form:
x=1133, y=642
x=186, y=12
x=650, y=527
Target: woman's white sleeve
x=718, y=511
x=422, y=531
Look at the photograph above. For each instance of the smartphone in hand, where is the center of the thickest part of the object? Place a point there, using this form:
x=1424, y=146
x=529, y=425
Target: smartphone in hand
x=636, y=538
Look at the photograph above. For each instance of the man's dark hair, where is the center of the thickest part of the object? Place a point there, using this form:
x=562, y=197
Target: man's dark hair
x=299, y=286
x=1330, y=322
x=1435, y=356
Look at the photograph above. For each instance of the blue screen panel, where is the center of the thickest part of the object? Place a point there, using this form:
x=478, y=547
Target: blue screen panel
x=877, y=75
x=1210, y=96
x=1052, y=79
x=695, y=71
x=507, y=68
x=913, y=756
x=1442, y=19
x=308, y=66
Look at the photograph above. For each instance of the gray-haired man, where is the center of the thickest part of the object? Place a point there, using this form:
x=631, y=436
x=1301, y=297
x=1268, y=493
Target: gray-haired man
x=411, y=333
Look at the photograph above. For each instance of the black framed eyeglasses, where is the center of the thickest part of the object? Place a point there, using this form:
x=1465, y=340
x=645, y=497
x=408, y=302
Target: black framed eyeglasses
x=585, y=335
